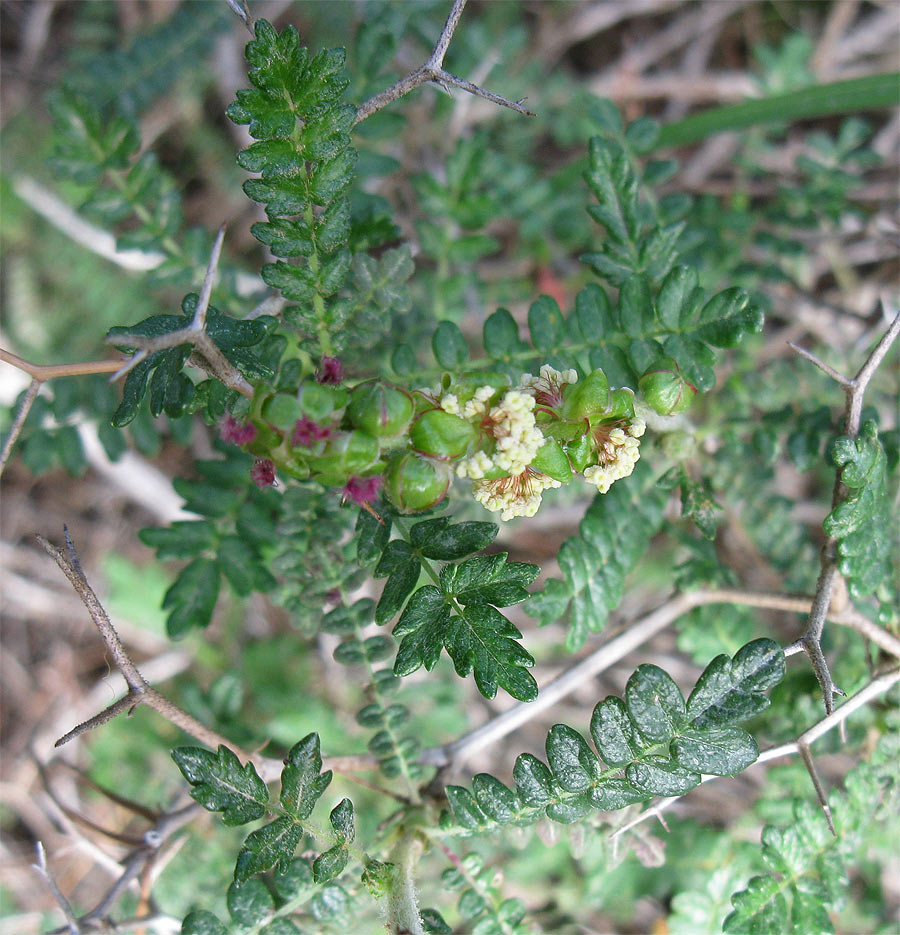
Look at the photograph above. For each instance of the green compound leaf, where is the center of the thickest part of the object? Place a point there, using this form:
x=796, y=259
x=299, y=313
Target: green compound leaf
x=250, y=904
x=272, y=844
x=859, y=523
x=614, y=534
x=651, y=744
x=438, y=539
x=191, y=600
x=401, y=566
x=302, y=779
x=461, y=617
x=221, y=784
x=201, y=922
x=306, y=163
x=807, y=864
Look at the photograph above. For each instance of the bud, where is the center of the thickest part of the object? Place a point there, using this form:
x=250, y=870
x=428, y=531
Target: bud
x=263, y=472
x=586, y=399
x=330, y=372
x=665, y=389
x=380, y=409
x=345, y=454
x=552, y=461
x=442, y=435
x=413, y=482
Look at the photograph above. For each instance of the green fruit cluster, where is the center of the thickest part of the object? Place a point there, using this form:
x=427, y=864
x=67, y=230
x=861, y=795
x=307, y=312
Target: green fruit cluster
x=512, y=442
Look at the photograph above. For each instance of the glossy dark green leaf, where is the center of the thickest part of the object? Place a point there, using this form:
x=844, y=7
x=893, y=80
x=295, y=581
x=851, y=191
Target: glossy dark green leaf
x=274, y=843
x=250, y=903
x=421, y=630
x=330, y=864
x=438, y=539
x=488, y=579
x=721, y=752
x=191, y=600
x=575, y=766
x=302, y=779
x=613, y=733
x=449, y=346
x=534, y=781
x=402, y=568
x=729, y=690
x=221, y=784
x=465, y=808
x=201, y=922
x=481, y=640
x=372, y=536
x=497, y=801
x=654, y=703
x=658, y=776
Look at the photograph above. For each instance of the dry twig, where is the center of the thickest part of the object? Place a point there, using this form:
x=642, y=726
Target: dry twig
x=854, y=387
x=433, y=70
x=206, y=355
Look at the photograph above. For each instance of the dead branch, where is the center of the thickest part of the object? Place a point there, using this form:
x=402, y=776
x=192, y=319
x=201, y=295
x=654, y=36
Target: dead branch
x=206, y=355
x=810, y=641
x=434, y=71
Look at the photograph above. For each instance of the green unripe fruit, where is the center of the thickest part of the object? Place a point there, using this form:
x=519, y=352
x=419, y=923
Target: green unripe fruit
x=414, y=483
x=282, y=410
x=346, y=454
x=442, y=435
x=552, y=461
x=621, y=404
x=380, y=409
x=587, y=398
x=665, y=389
x=318, y=401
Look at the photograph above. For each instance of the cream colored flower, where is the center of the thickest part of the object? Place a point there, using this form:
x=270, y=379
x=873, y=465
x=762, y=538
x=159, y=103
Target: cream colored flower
x=475, y=466
x=547, y=387
x=512, y=426
x=618, y=450
x=449, y=403
x=516, y=495
x=477, y=405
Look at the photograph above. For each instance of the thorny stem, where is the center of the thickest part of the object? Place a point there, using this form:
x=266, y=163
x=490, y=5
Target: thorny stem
x=810, y=641
x=433, y=70
x=876, y=687
x=61, y=901
x=206, y=355
x=39, y=374
x=141, y=692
